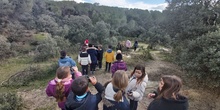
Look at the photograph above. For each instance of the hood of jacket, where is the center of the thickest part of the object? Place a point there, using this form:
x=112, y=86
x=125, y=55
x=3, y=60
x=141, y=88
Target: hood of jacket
x=109, y=50
x=73, y=104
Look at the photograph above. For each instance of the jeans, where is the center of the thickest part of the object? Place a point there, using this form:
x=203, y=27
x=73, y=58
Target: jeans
x=85, y=69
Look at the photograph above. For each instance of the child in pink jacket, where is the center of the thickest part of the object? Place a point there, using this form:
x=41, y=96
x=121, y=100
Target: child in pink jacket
x=60, y=86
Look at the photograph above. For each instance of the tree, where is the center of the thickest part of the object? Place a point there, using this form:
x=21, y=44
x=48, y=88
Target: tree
x=80, y=28
x=102, y=31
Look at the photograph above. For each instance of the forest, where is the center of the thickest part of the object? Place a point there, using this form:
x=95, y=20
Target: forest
x=39, y=29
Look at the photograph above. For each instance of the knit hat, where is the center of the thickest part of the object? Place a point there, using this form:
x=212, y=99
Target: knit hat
x=118, y=51
x=119, y=56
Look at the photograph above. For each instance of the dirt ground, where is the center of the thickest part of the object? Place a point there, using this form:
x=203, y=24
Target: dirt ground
x=199, y=98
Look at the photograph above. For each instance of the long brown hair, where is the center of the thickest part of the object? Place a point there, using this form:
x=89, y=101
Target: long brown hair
x=120, y=82
x=62, y=72
x=142, y=68
x=171, y=87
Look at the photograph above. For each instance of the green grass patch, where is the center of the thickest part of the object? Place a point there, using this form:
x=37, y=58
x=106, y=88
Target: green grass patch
x=30, y=74
x=40, y=37
x=13, y=65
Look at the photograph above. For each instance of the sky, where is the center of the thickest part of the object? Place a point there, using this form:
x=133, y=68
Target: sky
x=139, y=4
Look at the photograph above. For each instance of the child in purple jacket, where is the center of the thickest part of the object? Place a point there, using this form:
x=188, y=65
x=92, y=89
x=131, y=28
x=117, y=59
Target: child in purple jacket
x=119, y=64
x=60, y=86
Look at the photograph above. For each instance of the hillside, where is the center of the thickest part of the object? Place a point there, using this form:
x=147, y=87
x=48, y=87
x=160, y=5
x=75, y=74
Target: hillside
x=199, y=99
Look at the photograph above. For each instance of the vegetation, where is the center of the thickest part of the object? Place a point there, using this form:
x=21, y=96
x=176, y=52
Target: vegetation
x=39, y=29
x=10, y=101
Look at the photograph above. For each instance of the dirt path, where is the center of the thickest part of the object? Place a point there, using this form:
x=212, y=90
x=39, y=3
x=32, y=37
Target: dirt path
x=198, y=99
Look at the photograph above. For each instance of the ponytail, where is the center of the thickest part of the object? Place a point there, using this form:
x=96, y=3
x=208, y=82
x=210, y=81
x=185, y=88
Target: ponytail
x=60, y=96
x=118, y=96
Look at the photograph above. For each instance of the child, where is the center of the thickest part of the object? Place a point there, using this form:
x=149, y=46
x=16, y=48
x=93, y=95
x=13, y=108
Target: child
x=84, y=60
x=80, y=98
x=60, y=86
x=168, y=97
x=91, y=50
x=119, y=64
x=135, y=45
x=100, y=56
x=109, y=57
x=66, y=61
x=128, y=44
x=114, y=97
x=136, y=86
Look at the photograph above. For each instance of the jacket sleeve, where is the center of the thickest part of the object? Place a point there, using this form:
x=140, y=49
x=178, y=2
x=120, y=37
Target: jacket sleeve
x=141, y=89
x=79, y=59
x=100, y=88
x=73, y=63
x=113, y=68
x=78, y=74
x=48, y=90
x=89, y=59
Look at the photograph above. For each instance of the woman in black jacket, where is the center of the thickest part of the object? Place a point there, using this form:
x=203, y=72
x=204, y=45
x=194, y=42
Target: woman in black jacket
x=167, y=97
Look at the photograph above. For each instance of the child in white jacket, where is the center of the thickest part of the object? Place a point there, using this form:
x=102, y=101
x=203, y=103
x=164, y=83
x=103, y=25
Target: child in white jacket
x=136, y=86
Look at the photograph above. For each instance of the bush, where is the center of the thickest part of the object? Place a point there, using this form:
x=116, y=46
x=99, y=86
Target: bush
x=46, y=49
x=201, y=57
x=5, y=46
x=146, y=53
x=10, y=101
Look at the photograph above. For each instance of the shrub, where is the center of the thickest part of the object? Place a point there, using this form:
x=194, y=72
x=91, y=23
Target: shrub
x=202, y=59
x=5, y=46
x=146, y=53
x=46, y=49
x=10, y=101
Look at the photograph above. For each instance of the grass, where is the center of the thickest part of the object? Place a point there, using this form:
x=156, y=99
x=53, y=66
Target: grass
x=12, y=66
x=40, y=37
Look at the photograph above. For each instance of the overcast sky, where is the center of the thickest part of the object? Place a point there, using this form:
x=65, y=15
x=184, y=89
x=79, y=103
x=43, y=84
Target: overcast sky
x=140, y=4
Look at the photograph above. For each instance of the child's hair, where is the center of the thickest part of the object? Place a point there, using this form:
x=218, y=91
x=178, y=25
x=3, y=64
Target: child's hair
x=62, y=72
x=110, y=46
x=80, y=85
x=119, y=56
x=142, y=68
x=171, y=87
x=119, y=82
x=63, y=54
x=90, y=45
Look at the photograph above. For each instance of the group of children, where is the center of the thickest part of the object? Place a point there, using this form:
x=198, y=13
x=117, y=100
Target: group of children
x=74, y=94
x=123, y=92
x=92, y=57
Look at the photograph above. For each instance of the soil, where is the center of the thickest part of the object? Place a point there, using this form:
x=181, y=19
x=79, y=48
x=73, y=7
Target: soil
x=199, y=98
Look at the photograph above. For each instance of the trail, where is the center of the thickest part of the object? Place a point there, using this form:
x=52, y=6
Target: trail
x=199, y=99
